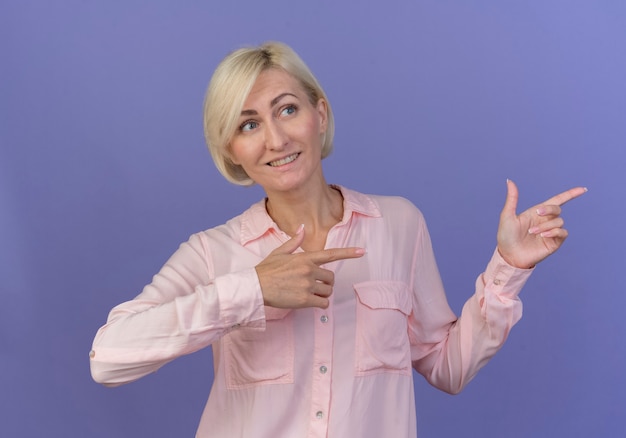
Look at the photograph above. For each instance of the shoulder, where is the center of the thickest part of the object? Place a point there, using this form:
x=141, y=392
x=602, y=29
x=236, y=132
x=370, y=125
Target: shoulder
x=400, y=215
x=390, y=210
x=396, y=205
x=233, y=231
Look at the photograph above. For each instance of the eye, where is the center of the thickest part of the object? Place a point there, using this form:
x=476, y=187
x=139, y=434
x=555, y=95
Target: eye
x=248, y=126
x=288, y=110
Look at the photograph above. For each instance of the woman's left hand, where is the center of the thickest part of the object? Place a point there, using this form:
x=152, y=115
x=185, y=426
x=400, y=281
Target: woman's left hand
x=527, y=239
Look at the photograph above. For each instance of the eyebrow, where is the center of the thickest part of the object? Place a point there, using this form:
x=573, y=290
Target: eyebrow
x=272, y=103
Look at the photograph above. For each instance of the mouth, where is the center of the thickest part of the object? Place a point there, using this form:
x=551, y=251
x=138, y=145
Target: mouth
x=284, y=161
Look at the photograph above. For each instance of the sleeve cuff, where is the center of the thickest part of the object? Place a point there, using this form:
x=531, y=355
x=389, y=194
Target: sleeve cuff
x=503, y=279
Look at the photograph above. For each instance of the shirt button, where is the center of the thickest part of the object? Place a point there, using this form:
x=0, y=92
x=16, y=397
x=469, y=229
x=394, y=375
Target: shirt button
x=497, y=282
x=319, y=415
x=323, y=369
x=324, y=318
x=92, y=354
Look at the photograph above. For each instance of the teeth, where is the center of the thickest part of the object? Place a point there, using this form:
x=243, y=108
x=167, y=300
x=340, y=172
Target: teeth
x=283, y=161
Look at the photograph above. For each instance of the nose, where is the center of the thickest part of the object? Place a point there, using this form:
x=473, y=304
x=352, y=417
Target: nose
x=275, y=136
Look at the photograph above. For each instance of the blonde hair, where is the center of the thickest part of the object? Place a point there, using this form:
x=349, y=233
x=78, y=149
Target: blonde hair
x=228, y=90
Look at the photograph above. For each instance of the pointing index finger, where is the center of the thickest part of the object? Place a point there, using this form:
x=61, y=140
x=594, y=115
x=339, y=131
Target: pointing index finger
x=566, y=196
x=333, y=254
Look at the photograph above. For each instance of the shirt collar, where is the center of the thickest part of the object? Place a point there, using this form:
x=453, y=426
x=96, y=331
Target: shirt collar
x=255, y=222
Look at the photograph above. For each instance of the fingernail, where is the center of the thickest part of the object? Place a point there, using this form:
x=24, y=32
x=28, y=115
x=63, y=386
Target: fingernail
x=541, y=211
x=586, y=189
x=533, y=230
x=360, y=251
x=300, y=228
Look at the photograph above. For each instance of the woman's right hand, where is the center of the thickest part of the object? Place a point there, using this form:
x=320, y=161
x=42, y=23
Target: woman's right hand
x=294, y=281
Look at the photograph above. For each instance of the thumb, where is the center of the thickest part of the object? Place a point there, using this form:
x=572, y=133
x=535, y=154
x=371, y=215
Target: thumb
x=292, y=244
x=512, y=195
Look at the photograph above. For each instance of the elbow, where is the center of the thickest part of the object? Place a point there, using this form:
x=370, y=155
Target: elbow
x=453, y=390
x=112, y=374
x=105, y=376
x=454, y=384
x=450, y=382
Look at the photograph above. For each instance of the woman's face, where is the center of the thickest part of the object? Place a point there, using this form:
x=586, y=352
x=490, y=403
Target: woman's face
x=278, y=141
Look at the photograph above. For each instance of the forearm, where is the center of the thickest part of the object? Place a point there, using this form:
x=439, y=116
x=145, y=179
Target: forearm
x=140, y=336
x=480, y=331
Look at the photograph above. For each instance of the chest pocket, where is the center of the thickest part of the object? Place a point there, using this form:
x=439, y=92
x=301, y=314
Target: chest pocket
x=382, y=342
x=257, y=357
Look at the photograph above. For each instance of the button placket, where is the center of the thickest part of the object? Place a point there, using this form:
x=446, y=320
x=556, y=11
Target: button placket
x=323, y=351
x=321, y=378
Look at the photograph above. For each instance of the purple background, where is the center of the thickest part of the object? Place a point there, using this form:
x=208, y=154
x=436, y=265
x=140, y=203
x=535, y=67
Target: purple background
x=103, y=172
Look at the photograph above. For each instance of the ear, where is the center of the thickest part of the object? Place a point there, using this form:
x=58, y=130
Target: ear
x=322, y=111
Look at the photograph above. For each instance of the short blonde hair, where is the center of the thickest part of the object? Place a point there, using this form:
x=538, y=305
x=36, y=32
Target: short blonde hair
x=228, y=90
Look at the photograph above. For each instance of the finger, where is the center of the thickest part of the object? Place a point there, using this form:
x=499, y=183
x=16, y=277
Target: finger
x=322, y=290
x=512, y=195
x=560, y=233
x=325, y=276
x=333, y=254
x=292, y=244
x=317, y=301
x=546, y=226
x=566, y=196
x=548, y=210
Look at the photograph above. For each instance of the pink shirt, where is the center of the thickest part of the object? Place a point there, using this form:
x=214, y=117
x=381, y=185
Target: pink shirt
x=336, y=372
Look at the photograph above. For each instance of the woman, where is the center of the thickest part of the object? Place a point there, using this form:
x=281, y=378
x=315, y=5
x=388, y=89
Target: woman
x=318, y=301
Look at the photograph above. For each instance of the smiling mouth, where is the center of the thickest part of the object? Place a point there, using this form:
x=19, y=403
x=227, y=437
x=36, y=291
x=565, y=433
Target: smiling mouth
x=283, y=161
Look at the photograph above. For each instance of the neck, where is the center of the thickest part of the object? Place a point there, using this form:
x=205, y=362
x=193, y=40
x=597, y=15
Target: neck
x=318, y=208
